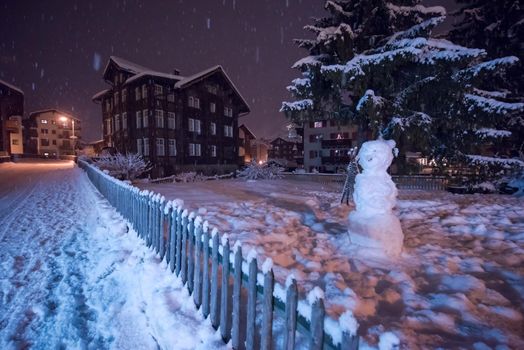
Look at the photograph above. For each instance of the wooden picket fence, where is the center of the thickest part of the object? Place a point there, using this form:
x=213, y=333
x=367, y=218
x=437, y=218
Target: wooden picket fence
x=403, y=182
x=218, y=277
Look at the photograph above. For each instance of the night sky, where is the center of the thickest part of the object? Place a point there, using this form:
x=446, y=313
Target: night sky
x=56, y=50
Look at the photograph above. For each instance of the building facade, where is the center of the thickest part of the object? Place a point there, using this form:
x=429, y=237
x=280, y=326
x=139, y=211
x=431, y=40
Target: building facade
x=52, y=133
x=287, y=152
x=246, y=139
x=177, y=123
x=326, y=145
x=11, y=112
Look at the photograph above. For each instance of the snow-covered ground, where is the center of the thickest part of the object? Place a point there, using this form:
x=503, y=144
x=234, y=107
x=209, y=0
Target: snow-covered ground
x=458, y=284
x=72, y=276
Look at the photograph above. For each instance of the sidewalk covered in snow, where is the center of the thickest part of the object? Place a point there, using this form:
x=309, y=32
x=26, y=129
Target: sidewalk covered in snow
x=73, y=276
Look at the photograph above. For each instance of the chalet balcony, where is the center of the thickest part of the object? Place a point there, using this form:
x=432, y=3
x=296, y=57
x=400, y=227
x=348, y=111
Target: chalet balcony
x=335, y=160
x=337, y=143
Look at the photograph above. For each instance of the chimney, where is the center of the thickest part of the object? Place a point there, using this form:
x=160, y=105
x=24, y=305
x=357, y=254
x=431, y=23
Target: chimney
x=176, y=71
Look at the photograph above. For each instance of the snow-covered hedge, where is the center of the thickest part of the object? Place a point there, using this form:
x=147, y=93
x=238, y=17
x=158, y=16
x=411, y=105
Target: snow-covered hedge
x=127, y=166
x=255, y=171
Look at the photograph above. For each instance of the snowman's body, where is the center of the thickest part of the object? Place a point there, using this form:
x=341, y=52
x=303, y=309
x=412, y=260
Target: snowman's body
x=373, y=224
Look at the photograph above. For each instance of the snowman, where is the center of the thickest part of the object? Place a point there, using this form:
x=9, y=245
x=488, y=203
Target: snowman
x=372, y=225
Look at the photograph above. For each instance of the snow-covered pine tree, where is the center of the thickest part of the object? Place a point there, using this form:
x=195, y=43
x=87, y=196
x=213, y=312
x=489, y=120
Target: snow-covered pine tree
x=417, y=89
x=351, y=28
x=496, y=26
x=422, y=92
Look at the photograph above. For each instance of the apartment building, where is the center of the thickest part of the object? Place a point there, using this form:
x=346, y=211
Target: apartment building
x=177, y=123
x=52, y=133
x=326, y=145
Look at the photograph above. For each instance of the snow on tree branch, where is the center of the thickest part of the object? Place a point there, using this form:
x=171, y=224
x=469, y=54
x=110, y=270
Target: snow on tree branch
x=308, y=61
x=423, y=29
x=492, y=133
x=124, y=166
x=486, y=161
x=297, y=105
x=491, y=105
x=369, y=99
x=411, y=10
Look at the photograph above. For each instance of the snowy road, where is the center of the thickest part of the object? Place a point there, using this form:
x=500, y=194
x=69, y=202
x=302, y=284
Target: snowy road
x=72, y=276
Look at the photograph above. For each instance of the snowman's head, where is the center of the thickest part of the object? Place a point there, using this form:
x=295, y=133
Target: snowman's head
x=376, y=156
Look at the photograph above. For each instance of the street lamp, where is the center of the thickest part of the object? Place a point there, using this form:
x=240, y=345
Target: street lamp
x=65, y=119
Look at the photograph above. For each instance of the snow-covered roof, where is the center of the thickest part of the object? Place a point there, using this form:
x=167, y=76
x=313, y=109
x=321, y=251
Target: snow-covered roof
x=100, y=94
x=126, y=65
x=246, y=129
x=154, y=74
x=203, y=74
x=54, y=110
x=12, y=87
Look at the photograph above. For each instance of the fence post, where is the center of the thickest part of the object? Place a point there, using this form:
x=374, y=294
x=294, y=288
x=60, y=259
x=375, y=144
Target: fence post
x=191, y=251
x=267, y=316
x=205, y=282
x=349, y=342
x=197, y=283
x=167, y=245
x=237, y=285
x=149, y=220
x=224, y=296
x=179, y=229
x=183, y=267
x=161, y=239
x=251, y=301
x=291, y=315
x=172, y=238
x=214, y=281
x=317, y=319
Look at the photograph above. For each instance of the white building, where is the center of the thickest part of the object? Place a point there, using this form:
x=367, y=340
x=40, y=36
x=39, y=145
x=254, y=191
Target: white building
x=326, y=145
x=52, y=133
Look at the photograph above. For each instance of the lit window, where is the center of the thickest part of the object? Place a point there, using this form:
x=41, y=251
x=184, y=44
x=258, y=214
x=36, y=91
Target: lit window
x=159, y=117
x=228, y=131
x=144, y=91
x=171, y=120
x=317, y=125
x=139, y=146
x=213, y=128
x=43, y=121
x=145, y=118
x=213, y=151
x=138, y=119
x=194, y=125
x=160, y=149
x=191, y=101
x=172, y=147
x=146, y=146
x=194, y=150
x=197, y=103
x=159, y=90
